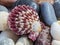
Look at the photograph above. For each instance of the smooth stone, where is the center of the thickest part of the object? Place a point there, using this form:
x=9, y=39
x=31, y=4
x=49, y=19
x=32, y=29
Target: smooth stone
x=48, y=13
x=27, y=2
x=6, y=41
x=3, y=8
x=55, y=42
x=3, y=20
x=57, y=0
x=24, y=41
x=56, y=6
x=55, y=30
x=10, y=34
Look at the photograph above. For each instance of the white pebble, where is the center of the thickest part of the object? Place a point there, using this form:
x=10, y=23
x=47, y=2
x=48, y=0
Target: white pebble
x=55, y=42
x=6, y=41
x=24, y=41
x=55, y=30
x=3, y=20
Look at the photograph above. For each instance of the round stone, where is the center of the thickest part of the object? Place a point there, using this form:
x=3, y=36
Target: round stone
x=55, y=42
x=56, y=6
x=3, y=8
x=48, y=13
x=55, y=30
x=3, y=20
x=27, y=2
x=24, y=41
x=6, y=41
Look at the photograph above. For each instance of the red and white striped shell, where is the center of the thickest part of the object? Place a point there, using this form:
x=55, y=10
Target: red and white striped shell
x=24, y=19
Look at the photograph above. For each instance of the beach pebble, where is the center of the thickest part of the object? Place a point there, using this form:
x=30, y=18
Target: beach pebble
x=3, y=20
x=56, y=6
x=55, y=42
x=3, y=8
x=27, y=2
x=9, y=34
x=55, y=30
x=24, y=41
x=48, y=13
x=6, y=41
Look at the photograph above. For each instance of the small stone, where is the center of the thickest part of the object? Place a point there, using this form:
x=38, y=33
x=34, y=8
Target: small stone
x=24, y=41
x=55, y=42
x=3, y=8
x=48, y=13
x=3, y=20
x=10, y=34
x=55, y=30
x=56, y=6
x=6, y=41
x=27, y=2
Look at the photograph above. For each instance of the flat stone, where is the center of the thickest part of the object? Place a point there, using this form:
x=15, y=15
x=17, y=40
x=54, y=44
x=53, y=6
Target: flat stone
x=56, y=6
x=48, y=13
x=27, y=2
